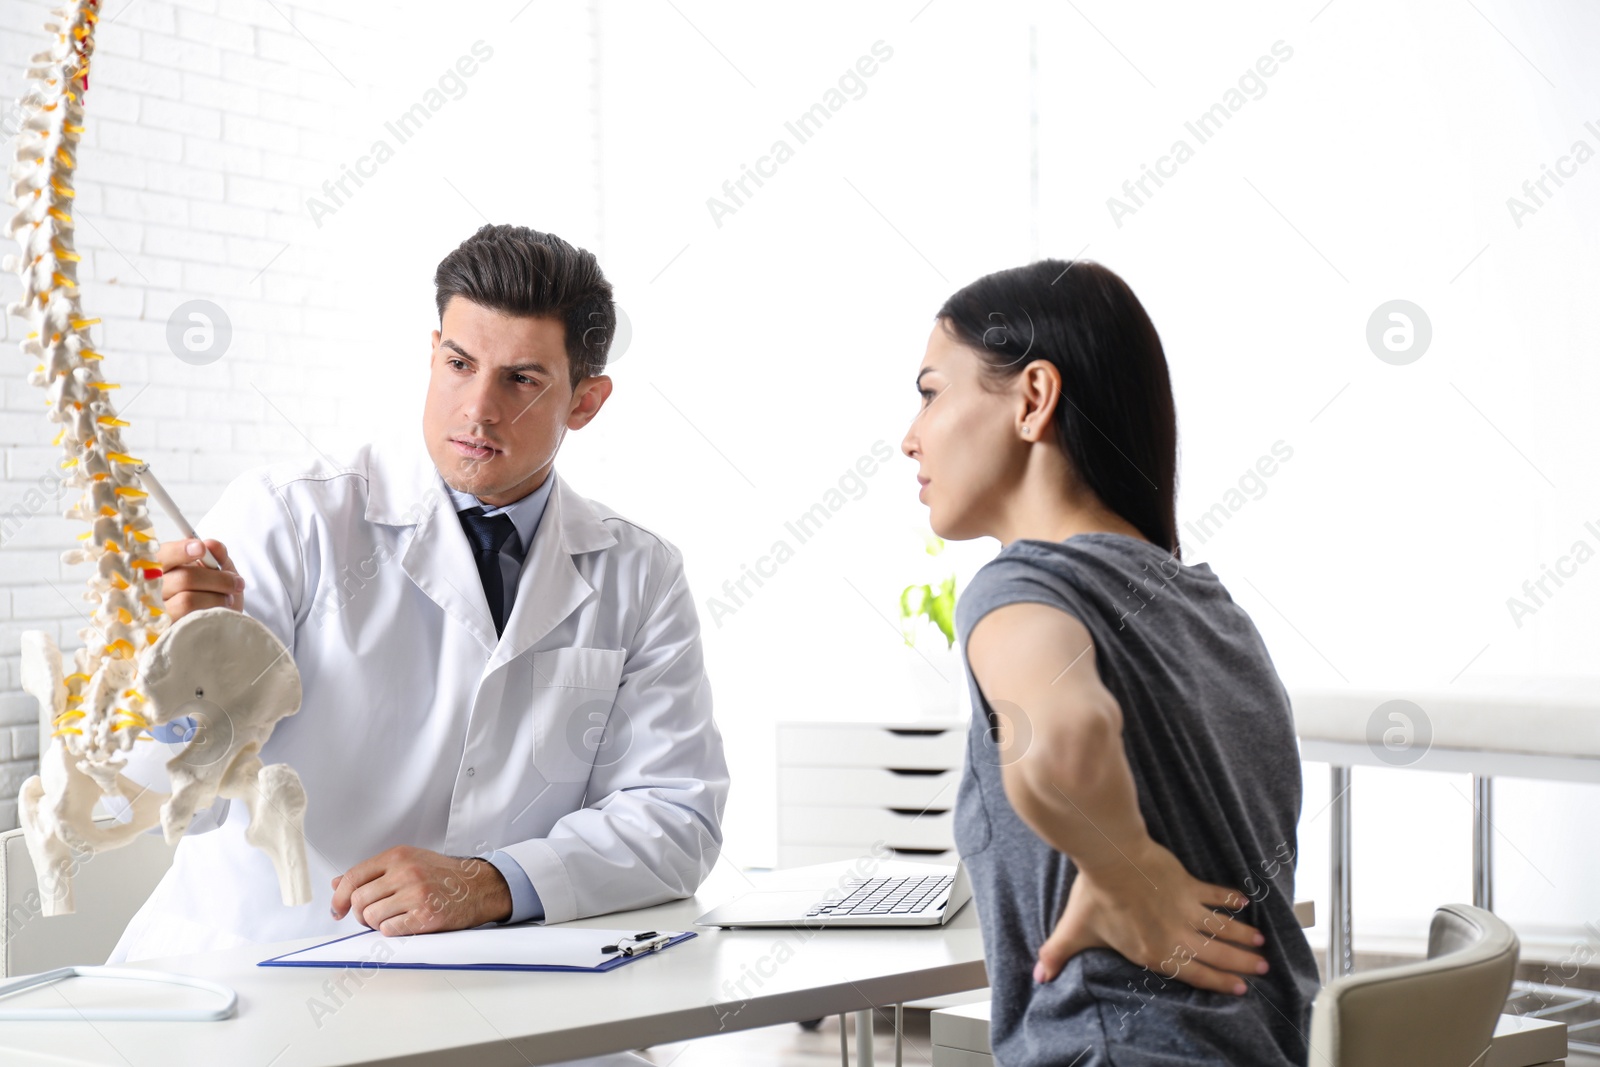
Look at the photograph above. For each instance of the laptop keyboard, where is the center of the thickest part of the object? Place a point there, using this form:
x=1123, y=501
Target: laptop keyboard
x=886, y=896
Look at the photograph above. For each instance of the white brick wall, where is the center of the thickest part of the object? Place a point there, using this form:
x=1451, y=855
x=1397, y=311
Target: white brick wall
x=206, y=122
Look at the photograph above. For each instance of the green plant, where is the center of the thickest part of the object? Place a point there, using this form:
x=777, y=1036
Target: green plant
x=922, y=601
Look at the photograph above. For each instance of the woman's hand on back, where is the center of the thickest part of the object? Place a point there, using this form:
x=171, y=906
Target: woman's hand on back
x=1153, y=912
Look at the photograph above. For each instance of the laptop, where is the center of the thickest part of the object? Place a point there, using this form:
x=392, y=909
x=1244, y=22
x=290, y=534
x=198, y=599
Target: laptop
x=928, y=896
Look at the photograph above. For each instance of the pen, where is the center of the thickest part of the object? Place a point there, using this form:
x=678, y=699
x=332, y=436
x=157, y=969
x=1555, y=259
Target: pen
x=646, y=946
x=171, y=508
x=640, y=943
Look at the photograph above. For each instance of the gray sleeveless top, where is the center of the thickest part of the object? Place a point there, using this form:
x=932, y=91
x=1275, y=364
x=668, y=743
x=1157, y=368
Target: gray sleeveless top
x=1209, y=736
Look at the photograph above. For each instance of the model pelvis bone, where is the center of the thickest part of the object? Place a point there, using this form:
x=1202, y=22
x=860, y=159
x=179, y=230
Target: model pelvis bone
x=234, y=678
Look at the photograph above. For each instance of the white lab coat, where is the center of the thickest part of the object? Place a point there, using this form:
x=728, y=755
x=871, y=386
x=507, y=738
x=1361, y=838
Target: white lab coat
x=581, y=741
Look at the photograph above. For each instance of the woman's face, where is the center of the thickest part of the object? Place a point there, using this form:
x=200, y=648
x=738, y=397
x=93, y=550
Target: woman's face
x=964, y=440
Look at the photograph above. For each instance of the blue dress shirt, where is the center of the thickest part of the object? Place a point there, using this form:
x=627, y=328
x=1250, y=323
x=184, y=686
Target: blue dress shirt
x=525, y=515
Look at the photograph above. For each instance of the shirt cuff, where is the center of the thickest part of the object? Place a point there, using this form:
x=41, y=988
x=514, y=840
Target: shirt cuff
x=525, y=903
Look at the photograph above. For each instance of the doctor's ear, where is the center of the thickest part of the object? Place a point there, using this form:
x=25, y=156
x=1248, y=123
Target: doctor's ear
x=587, y=398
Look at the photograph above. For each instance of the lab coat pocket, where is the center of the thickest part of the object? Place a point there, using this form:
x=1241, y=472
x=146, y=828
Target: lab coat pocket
x=578, y=668
x=573, y=692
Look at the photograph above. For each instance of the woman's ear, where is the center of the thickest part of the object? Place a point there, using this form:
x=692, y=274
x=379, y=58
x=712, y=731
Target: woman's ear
x=1040, y=386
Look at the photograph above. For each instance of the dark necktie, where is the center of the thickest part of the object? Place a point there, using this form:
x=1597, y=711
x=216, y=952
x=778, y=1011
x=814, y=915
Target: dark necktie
x=488, y=533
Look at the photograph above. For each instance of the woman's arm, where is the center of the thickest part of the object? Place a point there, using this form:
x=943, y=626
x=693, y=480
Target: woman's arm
x=1066, y=774
x=1060, y=745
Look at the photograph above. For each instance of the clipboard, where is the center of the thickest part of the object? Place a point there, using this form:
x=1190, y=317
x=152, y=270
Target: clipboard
x=525, y=947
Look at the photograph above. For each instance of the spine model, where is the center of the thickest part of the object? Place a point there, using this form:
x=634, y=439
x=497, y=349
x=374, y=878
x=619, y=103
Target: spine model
x=134, y=671
x=103, y=713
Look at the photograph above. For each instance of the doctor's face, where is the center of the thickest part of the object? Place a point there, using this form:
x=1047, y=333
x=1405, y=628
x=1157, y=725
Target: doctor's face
x=499, y=400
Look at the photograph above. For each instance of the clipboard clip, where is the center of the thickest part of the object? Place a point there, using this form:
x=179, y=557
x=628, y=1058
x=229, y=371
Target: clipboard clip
x=638, y=944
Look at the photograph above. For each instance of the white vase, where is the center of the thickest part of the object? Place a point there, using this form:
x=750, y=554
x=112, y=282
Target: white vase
x=938, y=680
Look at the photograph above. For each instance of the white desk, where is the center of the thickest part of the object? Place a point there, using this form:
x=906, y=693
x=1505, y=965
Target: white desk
x=489, y=1018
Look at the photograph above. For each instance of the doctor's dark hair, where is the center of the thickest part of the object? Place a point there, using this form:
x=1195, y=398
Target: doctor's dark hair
x=520, y=271
x=1115, y=420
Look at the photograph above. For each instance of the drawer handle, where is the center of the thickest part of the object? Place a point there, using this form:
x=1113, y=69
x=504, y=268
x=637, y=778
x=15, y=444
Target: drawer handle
x=919, y=771
x=897, y=850
x=910, y=732
x=919, y=811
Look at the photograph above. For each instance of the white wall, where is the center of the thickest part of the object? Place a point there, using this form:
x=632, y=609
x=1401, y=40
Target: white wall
x=771, y=351
x=1375, y=166
x=1378, y=166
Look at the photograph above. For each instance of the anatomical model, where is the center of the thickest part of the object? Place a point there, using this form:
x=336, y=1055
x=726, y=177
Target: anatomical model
x=217, y=668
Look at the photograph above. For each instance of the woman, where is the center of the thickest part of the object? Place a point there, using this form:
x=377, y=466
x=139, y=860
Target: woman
x=1132, y=788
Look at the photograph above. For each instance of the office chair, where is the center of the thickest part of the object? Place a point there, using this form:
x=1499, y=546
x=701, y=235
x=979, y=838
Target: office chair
x=1441, y=1011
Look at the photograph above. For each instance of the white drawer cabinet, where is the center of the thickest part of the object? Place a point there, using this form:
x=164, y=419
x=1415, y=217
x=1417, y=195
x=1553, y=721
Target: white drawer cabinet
x=908, y=746
x=960, y=1036
x=878, y=787
x=845, y=789
x=895, y=827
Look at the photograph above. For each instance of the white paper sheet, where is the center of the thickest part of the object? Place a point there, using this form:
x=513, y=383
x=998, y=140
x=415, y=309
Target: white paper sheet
x=513, y=946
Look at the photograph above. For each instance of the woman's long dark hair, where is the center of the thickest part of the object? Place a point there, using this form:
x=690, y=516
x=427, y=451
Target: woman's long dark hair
x=1115, y=419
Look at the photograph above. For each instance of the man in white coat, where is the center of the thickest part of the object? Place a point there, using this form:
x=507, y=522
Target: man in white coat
x=506, y=714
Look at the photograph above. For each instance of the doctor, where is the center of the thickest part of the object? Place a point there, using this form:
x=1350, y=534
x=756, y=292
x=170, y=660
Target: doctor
x=506, y=714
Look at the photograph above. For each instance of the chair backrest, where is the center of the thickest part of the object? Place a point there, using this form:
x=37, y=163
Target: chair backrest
x=107, y=888
x=1440, y=1011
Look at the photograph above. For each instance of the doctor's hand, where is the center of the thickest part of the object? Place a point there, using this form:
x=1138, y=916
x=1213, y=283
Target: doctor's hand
x=408, y=890
x=187, y=584
x=1157, y=915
